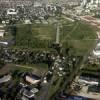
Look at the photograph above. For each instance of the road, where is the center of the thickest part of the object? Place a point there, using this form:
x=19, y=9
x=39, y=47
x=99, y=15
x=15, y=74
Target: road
x=24, y=67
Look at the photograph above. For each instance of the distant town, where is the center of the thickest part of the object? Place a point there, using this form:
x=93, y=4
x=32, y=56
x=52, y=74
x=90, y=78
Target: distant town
x=49, y=49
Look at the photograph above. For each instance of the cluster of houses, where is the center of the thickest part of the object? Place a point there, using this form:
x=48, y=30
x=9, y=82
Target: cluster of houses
x=36, y=10
x=87, y=7
x=29, y=85
x=30, y=88
x=29, y=8
x=3, y=33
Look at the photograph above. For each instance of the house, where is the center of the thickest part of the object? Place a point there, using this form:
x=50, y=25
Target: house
x=4, y=43
x=34, y=90
x=27, y=21
x=11, y=12
x=1, y=26
x=96, y=51
x=5, y=79
x=32, y=79
x=28, y=93
x=2, y=33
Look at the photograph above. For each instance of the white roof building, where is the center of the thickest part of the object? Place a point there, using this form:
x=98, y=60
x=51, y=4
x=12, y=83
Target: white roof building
x=11, y=12
x=5, y=79
x=96, y=51
x=32, y=79
x=27, y=21
x=2, y=32
x=1, y=26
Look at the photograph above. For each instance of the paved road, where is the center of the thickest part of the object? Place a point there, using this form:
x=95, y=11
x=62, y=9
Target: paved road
x=24, y=67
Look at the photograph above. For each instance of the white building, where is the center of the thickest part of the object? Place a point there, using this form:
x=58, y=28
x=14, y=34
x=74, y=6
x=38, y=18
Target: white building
x=2, y=33
x=32, y=79
x=96, y=51
x=11, y=12
x=27, y=21
x=5, y=79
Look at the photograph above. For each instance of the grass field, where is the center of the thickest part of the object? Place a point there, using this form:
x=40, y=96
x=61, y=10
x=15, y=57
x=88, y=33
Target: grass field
x=24, y=68
x=35, y=36
x=80, y=36
x=38, y=69
x=77, y=34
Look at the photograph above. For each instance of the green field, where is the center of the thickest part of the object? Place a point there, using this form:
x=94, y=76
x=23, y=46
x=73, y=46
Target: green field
x=77, y=35
x=80, y=36
x=35, y=35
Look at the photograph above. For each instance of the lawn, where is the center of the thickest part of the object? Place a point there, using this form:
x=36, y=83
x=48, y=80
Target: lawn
x=76, y=34
x=80, y=36
x=38, y=69
x=35, y=35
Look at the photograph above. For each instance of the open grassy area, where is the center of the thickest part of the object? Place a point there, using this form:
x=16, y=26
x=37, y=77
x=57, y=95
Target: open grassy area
x=36, y=68
x=76, y=34
x=24, y=68
x=80, y=36
x=35, y=35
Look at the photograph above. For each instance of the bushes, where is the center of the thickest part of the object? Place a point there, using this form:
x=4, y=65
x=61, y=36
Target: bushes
x=91, y=70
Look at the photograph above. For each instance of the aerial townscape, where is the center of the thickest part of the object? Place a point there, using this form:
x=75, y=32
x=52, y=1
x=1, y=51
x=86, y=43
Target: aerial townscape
x=49, y=49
